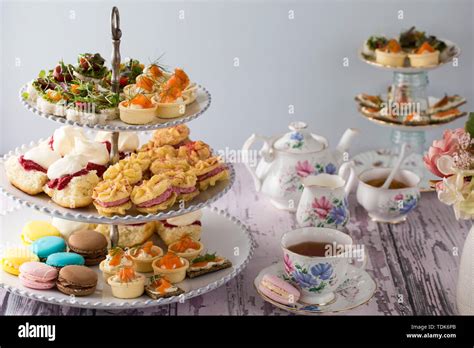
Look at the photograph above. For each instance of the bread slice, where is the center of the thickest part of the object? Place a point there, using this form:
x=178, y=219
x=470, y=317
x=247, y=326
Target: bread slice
x=154, y=295
x=214, y=268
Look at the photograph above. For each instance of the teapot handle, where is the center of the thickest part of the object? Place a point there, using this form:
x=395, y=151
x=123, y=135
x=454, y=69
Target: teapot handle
x=267, y=155
x=347, y=172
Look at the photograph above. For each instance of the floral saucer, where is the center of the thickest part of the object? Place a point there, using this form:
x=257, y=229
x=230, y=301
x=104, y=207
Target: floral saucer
x=356, y=290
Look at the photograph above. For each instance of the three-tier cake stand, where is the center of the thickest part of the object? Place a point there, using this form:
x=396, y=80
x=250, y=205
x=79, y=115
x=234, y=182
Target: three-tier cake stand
x=222, y=232
x=413, y=83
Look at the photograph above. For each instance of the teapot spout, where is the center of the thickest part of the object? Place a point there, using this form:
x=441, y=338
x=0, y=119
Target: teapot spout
x=346, y=139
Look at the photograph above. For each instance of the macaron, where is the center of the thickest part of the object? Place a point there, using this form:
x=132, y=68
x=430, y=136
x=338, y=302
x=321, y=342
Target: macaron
x=14, y=257
x=34, y=230
x=76, y=280
x=278, y=290
x=60, y=260
x=92, y=245
x=46, y=246
x=37, y=275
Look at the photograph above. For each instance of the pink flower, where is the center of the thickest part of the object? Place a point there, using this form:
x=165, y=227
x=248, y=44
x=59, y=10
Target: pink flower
x=303, y=169
x=398, y=197
x=322, y=207
x=288, y=264
x=448, y=146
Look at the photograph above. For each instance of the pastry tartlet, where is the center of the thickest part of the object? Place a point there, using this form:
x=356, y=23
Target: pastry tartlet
x=194, y=151
x=124, y=170
x=187, y=225
x=144, y=85
x=171, y=108
x=127, y=284
x=70, y=184
x=425, y=55
x=116, y=258
x=171, y=267
x=209, y=172
x=138, y=110
x=153, y=195
x=391, y=54
x=160, y=166
x=28, y=172
x=130, y=235
x=183, y=183
x=144, y=255
x=159, y=287
x=112, y=197
x=171, y=136
x=186, y=247
x=154, y=72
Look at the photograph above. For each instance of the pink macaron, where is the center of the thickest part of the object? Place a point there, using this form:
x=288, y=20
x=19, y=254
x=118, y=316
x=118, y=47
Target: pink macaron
x=278, y=290
x=37, y=275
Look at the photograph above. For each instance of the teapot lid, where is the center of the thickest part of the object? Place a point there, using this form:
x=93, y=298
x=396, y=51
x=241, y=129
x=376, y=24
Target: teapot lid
x=299, y=140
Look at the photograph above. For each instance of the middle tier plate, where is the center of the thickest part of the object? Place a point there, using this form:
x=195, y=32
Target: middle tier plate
x=44, y=204
x=193, y=111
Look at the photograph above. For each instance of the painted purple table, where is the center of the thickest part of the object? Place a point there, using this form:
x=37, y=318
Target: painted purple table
x=414, y=264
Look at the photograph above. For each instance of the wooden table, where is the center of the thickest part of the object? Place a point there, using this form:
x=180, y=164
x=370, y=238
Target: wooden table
x=414, y=264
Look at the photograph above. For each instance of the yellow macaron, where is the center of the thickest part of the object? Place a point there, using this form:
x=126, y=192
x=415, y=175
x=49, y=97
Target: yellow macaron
x=34, y=230
x=14, y=257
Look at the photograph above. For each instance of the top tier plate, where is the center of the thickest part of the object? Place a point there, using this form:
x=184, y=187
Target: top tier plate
x=453, y=51
x=193, y=111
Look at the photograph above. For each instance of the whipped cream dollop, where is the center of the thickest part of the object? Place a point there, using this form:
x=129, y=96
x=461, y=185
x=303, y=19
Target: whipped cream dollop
x=67, y=227
x=67, y=165
x=186, y=219
x=128, y=141
x=94, y=151
x=64, y=139
x=42, y=155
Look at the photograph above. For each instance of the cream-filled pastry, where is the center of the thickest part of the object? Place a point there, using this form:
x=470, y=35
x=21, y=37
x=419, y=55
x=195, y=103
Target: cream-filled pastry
x=127, y=170
x=64, y=138
x=210, y=171
x=153, y=195
x=112, y=197
x=183, y=183
x=194, y=151
x=162, y=152
x=160, y=166
x=70, y=184
x=28, y=172
x=127, y=142
x=95, y=152
x=173, y=136
x=142, y=159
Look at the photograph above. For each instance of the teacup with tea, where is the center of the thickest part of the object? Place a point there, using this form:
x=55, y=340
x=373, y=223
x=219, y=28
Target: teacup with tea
x=393, y=204
x=316, y=260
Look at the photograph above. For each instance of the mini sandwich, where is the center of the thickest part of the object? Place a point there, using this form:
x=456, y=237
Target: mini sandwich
x=159, y=287
x=446, y=103
x=112, y=197
x=444, y=116
x=153, y=195
x=173, y=229
x=371, y=101
x=184, y=184
x=209, y=172
x=205, y=264
x=28, y=172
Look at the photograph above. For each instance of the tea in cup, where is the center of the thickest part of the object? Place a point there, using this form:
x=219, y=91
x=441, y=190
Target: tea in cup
x=390, y=205
x=316, y=260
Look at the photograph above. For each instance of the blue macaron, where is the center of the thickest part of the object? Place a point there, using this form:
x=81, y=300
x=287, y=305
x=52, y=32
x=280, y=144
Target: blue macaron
x=46, y=246
x=59, y=260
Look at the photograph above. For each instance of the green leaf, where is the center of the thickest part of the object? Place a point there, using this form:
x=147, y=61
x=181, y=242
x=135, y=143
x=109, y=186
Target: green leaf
x=202, y=258
x=470, y=125
x=25, y=95
x=42, y=74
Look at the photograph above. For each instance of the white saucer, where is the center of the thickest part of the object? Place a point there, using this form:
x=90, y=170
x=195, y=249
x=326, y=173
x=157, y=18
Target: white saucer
x=356, y=290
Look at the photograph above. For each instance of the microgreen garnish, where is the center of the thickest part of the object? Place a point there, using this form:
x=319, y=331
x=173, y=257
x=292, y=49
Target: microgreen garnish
x=203, y=258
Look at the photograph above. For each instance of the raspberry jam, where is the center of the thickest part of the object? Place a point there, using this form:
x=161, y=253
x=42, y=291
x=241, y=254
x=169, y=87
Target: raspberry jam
x=30, y=165
x=97, y=167
x=62, y=182
x=167, y=224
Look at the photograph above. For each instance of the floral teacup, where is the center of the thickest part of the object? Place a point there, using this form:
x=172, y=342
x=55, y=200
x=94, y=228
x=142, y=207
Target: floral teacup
x=319, y=276
x=388, y=205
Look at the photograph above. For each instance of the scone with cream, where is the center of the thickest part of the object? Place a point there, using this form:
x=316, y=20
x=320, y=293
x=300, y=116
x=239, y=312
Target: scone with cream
x=173, y=229
x=130, y=235
x=128, y=142
x=70, y=184
x=63, y=139
x=112, y=197
x=153, y=195
x=28, y=172
x=209, y=172
x=96, y=153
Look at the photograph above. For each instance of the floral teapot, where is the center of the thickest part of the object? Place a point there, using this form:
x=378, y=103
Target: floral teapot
x=289, y=158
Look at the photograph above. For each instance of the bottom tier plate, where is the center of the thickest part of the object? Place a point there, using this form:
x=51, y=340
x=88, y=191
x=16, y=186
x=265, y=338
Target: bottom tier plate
x=221, y=233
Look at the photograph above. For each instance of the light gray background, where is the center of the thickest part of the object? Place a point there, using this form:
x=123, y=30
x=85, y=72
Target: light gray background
x=282, y=61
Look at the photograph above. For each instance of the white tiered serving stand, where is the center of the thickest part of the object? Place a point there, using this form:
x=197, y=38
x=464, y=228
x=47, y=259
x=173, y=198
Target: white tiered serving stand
x=414, y=82
x=222, y=233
